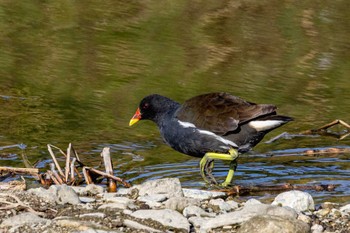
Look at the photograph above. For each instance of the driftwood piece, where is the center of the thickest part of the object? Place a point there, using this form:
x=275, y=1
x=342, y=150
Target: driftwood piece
x=244, y=190
x=316, y=132
x=54, y=158
x=14, y=205
x=125, y=184
x=19, y=170
x=106, y=156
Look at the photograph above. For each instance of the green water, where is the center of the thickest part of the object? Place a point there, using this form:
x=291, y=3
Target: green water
x=75, y=71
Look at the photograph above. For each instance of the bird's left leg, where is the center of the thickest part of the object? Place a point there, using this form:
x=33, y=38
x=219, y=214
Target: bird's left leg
x=231, y=156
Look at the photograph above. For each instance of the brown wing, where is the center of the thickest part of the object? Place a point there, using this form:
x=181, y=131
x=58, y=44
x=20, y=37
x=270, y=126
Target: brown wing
x=221, y=112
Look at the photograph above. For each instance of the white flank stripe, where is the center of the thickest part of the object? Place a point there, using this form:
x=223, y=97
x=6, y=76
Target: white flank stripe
x=265, y=125
x=186, y=124
x=217, y=137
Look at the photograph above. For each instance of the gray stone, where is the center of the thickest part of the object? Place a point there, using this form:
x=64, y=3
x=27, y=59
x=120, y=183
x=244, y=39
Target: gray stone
x=171, y=187
x=170, y=219
x=23, y=219
x=272, y=224
x=249, y=211
x=61, y=194
x=135, y=225
x=298, y=200
x=202, y=194
x=192, y=210
x=65, y=194
x=46, y=195
x=316, y=228
x=180, y=203
x=93, y=189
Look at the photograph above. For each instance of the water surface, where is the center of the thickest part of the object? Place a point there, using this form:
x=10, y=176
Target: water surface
x=76, y=71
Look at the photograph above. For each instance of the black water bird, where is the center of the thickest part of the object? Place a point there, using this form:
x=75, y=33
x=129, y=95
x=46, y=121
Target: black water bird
x=210, y=126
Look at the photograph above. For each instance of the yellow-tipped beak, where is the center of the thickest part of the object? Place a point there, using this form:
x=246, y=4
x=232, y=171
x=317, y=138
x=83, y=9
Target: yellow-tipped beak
x=135, y=118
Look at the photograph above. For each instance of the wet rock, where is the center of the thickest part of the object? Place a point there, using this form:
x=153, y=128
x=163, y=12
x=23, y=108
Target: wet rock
x=272, y=224
x=298, y=200
x=169, y=219
x=192, y=210
x=180, y=203
x=23, y=219
x=171, y=187
x=202, y=194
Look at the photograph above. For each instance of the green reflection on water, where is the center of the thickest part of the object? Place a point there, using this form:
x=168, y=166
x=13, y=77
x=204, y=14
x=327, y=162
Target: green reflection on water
x=81, y=67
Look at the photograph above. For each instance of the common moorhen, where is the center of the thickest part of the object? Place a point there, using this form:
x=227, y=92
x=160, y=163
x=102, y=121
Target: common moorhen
x=212, y=126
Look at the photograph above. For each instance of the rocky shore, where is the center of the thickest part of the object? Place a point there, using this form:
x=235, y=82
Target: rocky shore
x=163, y=206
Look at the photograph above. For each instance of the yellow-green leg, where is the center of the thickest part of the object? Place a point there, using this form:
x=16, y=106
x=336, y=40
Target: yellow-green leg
x=208, y=157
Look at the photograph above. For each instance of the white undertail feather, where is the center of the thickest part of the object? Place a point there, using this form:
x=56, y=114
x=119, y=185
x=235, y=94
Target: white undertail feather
x=217, y=137
x=265, y=125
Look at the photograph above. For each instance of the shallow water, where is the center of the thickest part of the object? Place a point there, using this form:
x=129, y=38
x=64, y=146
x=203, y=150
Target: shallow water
x=75, y=72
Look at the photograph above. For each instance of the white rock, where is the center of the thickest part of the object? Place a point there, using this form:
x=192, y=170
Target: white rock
x=124, y=191
x=23, y=219
x=298, y=200
x=202, y=194
x=113, y=206
x=155, y=197
x=135, y=225
x=316, y=228
x=46, y=195
x=180, y=203
x=192, y=210
x=197, y=222
x=119, y=200
x=233, y=204
x=252, y=201
x=304, y=218
x=171, y=187
x=220, y=204
x=345, y=210
x=170, y=219
x=87, y=199
x=93, y=215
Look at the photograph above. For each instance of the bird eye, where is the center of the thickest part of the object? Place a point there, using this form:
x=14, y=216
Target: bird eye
x=145, y=106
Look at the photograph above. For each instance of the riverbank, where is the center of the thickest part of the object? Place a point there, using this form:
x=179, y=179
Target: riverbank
x=163, y=205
